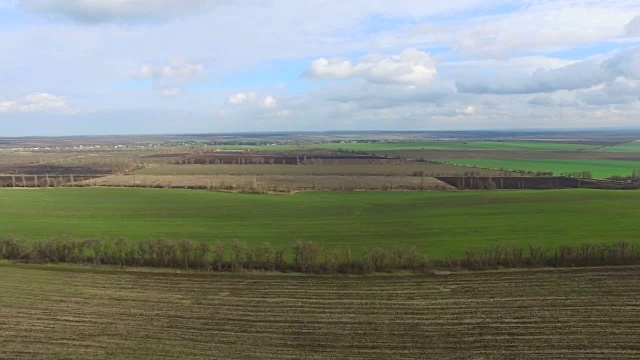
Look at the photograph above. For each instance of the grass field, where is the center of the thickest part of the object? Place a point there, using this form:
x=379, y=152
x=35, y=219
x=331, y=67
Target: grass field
x=462, y=145
x=599, y=168
x=435, y=144
x=633, y=146
x=438, y=223
x=85, y=312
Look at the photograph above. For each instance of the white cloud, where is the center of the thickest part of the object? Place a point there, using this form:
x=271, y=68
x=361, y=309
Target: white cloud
x=145, y=72
x=580, y=75
x=98, y=11
x=269, y=102
x=555, y=99
x=410, y=67
x=624, y=64
x=245, y=98
x=468, y=110
x=619, y=92
x=633, y=27
x=241, y=98
x=283, y=113
x=331, y=68
x=543, y=26
x=172, y=92
x=170, y=75
x=576, y=76
x=525, y=64
x=176, y=71
x=36, y=103
x=507, y=54
x=181, y=71
x=376, y=96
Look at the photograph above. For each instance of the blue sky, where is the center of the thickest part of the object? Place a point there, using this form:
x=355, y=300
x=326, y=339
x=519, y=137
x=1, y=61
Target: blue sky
x=157, y=66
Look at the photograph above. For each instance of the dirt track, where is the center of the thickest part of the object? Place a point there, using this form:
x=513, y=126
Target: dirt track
x=53, y=312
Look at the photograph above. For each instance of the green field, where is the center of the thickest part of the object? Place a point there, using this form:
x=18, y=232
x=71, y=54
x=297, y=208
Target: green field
x=463, y=145
x=633, y=146
x=439, y=223
x=599, y=168
x=435, y=145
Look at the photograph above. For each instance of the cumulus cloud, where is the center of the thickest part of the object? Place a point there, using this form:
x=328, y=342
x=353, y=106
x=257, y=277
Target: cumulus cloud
x=576, y=76
x=331, y=68
x=36, y=103
x=468, y=110
x=580, y=75
x=242, y=98
x=145, y=72
x=619, y=92
x=269, y=102
x=558, y=98
x=410, y=67
x=482, y=50
x=100, y=11
x=170, y=76
x=284, y=113
x=375, y=96
x=542, y=26
x=174, y=71
x=525, y=64
x=633, y=27
x=624, y=64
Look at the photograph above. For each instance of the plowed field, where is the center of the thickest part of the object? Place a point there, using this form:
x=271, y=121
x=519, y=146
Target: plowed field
x=99, y=313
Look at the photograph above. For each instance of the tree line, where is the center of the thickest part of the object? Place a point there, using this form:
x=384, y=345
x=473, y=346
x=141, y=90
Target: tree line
x=303, y=257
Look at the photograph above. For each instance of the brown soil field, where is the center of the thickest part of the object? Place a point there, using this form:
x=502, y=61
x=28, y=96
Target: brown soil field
x=77, y=163
x=100, y=313
x=392, y=169
x=282, y=158
x=44, y=169
x=509, y=154
x=166, y=155
x=276, y=183
x=527, y=182
x=13, y=159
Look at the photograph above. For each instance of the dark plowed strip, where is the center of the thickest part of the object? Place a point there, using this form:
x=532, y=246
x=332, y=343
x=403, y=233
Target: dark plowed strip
x=90, y=313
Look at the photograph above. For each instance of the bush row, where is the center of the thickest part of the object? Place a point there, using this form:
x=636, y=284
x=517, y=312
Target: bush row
x=303, y=257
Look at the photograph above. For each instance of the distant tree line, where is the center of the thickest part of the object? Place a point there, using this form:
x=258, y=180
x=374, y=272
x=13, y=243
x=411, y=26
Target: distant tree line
x=588, y=175
x=303, y=257
x=634, y=178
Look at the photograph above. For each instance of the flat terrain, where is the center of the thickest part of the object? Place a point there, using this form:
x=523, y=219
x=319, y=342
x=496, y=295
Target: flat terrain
x=438, y=223
x=274, y=183
x=417, y=145
x=599, y=168
x=633, y=146
x=511, y=154
x=84, y=312
x=365, y=170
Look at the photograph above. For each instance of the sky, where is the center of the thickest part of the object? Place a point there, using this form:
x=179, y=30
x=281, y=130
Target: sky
x=90, y=67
